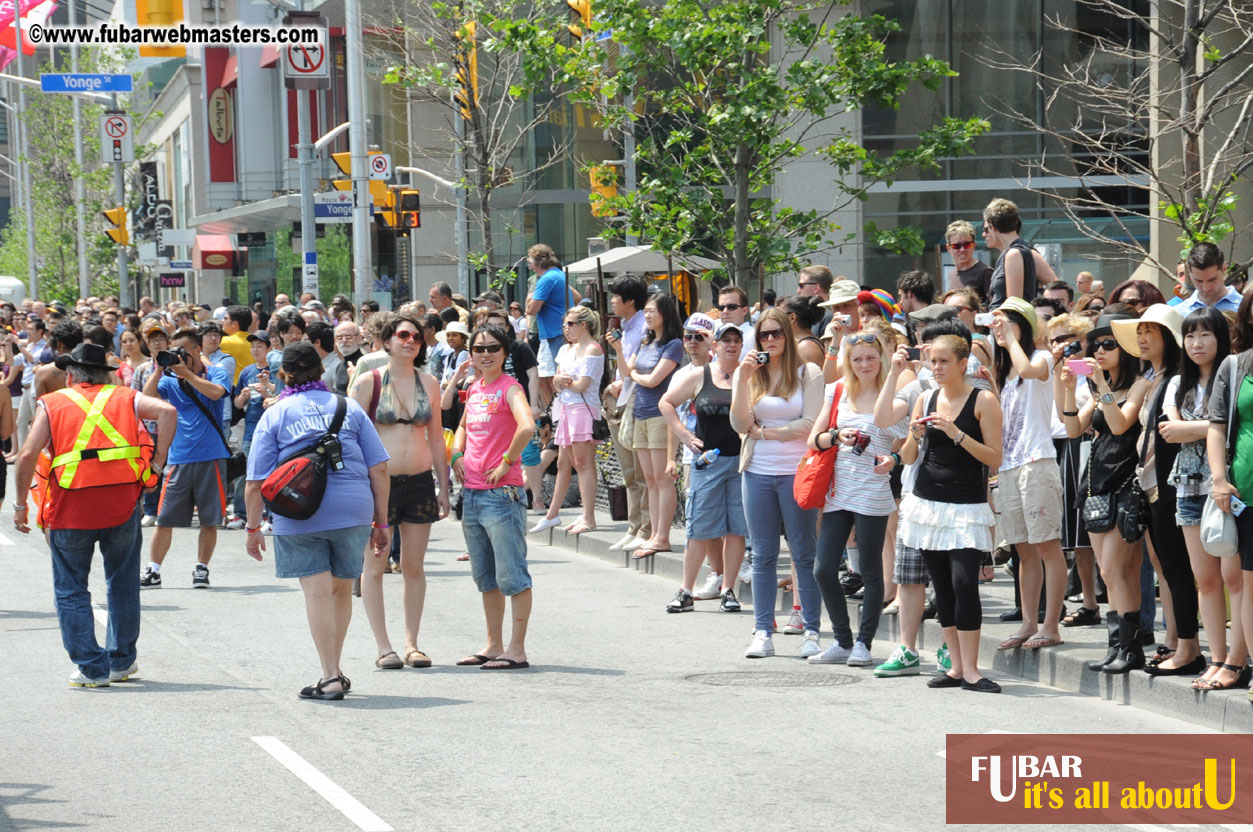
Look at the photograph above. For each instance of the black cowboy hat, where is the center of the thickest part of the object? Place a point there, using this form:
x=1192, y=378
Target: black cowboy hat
x=85, y=355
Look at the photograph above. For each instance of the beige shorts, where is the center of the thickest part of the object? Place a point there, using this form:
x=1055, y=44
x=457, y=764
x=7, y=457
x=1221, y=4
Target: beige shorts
x=1030, y=501
x=650, y=434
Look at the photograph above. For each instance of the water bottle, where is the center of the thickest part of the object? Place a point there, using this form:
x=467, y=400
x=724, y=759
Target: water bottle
x=706, y=459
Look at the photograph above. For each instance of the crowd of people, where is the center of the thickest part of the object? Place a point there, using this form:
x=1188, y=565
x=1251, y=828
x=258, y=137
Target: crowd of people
x=1009, y=416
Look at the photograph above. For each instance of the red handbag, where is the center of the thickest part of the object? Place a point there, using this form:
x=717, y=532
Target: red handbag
x=813, y=475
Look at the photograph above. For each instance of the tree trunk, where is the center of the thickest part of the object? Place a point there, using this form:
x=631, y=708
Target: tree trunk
x=1189, y=104
x=740, y=269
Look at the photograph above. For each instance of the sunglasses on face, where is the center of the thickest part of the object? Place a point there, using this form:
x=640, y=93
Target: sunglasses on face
x=568, y=324
x=1131, y=301
x=770, y=334
x=803, y=285
x=730, y=307
x=1062, y=339
x=961, y=246
x=1107, y=344
x=405, y=335
x=859, y=338
x=489, y=348
x=960, y=307
x=693, y=336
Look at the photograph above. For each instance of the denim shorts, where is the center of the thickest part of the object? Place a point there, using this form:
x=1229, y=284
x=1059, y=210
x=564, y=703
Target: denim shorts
x=715, y=501
x=1188, y=510
x=494, y=524
x=339, y=551
x=547, y=356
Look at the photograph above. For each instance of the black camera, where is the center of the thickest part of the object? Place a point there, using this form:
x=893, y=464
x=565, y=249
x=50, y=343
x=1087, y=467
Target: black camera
x=168, y=358
x=1073, y=348
x=762, y=357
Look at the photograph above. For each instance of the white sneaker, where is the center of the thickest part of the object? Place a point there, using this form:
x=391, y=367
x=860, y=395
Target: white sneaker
x=860, y=657
x=545, y=523
x=148, y=520
x=267, y=527
x=712, y=588
x=746, y=570
x=795, y=625
x=627, y=541
x=123, y=675
x=235, y=522
x=835, y=654
x=78, y=680
x=761, y=647
x=810, y=646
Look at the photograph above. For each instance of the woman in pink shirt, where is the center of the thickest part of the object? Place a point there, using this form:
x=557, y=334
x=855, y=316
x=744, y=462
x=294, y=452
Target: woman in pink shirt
x=495, y=427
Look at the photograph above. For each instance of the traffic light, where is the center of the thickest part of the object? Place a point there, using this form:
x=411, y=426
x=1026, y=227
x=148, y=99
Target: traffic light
x=467, y=93
x=117, y=218
x=582, y=8
x=160, y=14
x=378, y=188
x=604, y=186
x=409, y=209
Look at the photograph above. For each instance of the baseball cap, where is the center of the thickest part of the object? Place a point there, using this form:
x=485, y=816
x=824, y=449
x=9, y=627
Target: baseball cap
x=701, y=322
x=260, y=335
x=934, y=312
x=300, y=356
x=723, y=329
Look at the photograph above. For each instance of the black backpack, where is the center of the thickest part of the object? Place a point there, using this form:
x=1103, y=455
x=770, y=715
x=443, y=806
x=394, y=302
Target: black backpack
x=296, y=486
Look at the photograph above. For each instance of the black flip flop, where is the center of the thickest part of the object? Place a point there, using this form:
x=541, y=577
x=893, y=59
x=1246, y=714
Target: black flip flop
x=474, y=660
x=510, y=664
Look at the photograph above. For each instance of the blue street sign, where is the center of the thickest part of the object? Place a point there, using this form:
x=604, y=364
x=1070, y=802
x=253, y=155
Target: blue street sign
x=311, y=257
x=84, y=82
x=182, y=264
x=601, y=37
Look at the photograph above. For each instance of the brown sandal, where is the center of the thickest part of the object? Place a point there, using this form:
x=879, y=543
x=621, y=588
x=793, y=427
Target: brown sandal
x=383, y=662
x=416, y=658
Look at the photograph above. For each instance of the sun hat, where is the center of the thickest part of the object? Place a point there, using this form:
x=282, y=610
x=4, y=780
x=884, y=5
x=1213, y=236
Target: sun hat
x=1167, y=317
x=1026, y=310
x=842, y=291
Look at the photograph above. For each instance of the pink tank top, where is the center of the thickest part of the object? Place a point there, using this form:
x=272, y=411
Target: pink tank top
x=490, y=427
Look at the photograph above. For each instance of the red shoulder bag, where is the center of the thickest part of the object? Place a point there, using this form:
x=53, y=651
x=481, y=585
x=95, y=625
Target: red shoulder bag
x=813, y=475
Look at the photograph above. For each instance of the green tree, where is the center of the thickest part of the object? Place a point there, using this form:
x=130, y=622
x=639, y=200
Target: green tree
x=334, y=256
x=51, y=155
x=724, y=95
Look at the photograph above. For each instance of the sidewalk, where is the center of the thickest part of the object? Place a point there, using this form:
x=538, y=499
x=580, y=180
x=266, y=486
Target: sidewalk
x=1061, y=667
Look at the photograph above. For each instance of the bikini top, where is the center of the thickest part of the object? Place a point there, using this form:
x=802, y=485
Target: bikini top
x=390, y=411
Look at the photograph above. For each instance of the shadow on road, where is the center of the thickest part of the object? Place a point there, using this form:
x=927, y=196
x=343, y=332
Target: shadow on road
x=25, y=614
x=367, y=702
x=139, y=685
x=262, y=589
x=26, y=795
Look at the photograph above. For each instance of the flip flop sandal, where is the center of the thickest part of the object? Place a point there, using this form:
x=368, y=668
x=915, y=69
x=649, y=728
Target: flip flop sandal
x=1037, y=642
x=463, y=557
x=416, y=658
x=509, y=664
x=648, y=552
x=1013, y=642
x=383, y=662
x=580, y=527
x=474, y=660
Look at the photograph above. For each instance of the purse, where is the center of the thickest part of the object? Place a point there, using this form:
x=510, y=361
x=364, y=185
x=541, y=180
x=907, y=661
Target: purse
x=1099, y=510
x=1132, y=501
x=600, y=425
x=813, y=475
x=1219, y=536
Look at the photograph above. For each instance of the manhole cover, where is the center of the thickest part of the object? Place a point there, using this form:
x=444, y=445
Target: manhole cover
x=771, y=679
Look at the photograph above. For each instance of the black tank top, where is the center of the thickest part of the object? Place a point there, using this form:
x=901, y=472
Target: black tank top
x=713, y=418
x=1113, y=459
x=948, y=473
x=998, y=291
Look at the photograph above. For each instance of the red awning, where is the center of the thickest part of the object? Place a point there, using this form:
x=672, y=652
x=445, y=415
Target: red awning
x=269, y=56
x=213, y=251
x=230, y=72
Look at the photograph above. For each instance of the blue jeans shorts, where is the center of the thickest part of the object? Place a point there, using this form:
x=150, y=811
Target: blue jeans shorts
x=715, y=501
x=494, y=524
x=339, y=551
x=1188, y=510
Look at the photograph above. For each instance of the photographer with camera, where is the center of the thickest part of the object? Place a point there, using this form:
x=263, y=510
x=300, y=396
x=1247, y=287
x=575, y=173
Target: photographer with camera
x=195, y=476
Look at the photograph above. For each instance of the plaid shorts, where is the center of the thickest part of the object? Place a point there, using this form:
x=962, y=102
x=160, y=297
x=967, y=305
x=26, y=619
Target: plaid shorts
x=909, y=567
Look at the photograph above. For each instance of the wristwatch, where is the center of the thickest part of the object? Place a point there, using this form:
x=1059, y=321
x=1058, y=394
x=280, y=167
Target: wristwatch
x=1107, y=398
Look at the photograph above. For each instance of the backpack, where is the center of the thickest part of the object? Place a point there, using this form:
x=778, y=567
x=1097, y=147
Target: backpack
x=294, y=489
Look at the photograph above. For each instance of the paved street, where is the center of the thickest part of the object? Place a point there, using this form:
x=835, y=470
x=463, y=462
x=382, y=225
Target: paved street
x=608, y=730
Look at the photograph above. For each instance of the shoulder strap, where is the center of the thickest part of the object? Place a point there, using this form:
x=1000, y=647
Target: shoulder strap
x=341, y=410
x=1233, y=393
x=835, y=404
x=374, y=394
x=195, y=397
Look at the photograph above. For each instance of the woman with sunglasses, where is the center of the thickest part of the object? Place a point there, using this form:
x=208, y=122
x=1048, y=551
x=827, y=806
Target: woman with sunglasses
x=1088, y=303
x=860, y=494
x=1206, y=338
x=580, y=367
x=1139, y=294
x=1029, y=482
x=495, y=428
x=651, y=369
x=399, y=400
x=1113, y=414
x=715, y=510
x=967, y=304
x=955, y=436
x=773, y=406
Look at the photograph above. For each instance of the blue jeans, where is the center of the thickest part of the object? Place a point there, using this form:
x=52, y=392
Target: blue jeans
x=494, y=524
x=72, y=551
x=768, y=507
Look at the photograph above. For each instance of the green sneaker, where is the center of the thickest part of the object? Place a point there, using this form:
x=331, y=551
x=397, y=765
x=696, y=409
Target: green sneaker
x=904, y=662
x=942, y=658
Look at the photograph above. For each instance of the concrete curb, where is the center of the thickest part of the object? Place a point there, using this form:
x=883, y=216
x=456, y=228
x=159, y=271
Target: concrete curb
x=1061, y=667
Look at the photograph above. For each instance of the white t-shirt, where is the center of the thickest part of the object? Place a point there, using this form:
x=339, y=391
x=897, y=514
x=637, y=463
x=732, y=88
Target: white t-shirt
x=1027, y=405
x=570, y=364
x=749, y=332
x=855, y=486
x=774, y=457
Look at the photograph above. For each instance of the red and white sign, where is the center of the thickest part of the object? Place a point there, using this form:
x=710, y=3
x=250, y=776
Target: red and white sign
x=306, y=65
x=380, y=166
x=117, y=138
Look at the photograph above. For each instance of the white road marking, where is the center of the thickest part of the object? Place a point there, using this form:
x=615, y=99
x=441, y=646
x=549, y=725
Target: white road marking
x=4, y=541
x=323, y=785
x=102, y=616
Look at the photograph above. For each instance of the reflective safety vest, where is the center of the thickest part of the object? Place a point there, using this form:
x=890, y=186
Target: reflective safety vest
x=97, y=438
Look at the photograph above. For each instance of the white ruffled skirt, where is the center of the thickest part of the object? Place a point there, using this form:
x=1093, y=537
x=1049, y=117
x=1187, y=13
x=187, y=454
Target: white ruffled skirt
x=941, y=527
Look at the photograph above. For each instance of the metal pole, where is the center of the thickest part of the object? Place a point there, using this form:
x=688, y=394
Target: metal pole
x=462, y=233
x=362, y=258
x=15, y=142
x=119, y=194
x=628, y=156
x=32, y=274
x=80, y=188
x=308, y=229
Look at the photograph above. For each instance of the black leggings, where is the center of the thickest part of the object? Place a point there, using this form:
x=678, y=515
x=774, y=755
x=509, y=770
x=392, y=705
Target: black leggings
x=955, y=576
x=832, y=538
x=1172, y=554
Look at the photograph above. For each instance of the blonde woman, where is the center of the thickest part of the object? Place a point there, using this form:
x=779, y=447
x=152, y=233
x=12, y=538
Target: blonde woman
x=860, y=495
x=774, y=406
x=580, y=366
